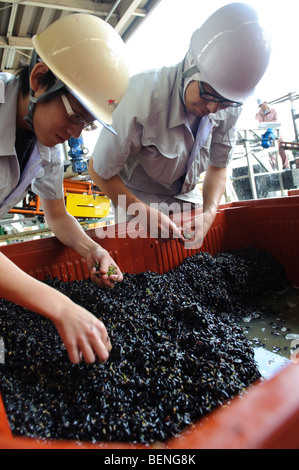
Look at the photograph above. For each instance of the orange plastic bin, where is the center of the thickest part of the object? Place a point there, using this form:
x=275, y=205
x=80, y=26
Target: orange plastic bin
x=267, y=416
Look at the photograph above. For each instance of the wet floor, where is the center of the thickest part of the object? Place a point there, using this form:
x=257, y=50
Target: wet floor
x=275, y=335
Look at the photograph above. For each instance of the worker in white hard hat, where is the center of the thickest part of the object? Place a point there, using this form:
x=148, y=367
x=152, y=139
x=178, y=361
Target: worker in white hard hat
x=177, y=122
x=265, y=113
x=64, y=91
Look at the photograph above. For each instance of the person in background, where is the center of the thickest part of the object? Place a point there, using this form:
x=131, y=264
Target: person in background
x=178, y=122
x=65, y=89
x=267, y=114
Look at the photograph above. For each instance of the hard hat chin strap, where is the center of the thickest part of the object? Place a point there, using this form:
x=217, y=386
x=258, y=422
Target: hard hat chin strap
x=57, y=86
x=192, y=71
x=185, y=75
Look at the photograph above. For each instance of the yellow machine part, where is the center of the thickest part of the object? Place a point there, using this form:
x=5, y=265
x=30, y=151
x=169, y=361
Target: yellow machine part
x=87, y=205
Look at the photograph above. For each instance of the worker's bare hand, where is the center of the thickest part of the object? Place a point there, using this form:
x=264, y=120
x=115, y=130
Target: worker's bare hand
x=103, y=270
x=194, y=231
x=167, y=228
x=84, y=336
x=160, y=226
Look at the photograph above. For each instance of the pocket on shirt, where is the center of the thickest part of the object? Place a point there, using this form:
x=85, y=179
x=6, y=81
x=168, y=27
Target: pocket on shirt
x=152, y=162
x=160, y=168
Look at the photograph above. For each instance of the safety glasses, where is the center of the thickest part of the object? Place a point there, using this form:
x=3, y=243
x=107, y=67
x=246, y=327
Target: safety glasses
x=205, y=94
x=75, y=117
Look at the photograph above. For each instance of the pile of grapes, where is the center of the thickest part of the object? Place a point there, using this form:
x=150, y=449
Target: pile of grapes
x=178, y=352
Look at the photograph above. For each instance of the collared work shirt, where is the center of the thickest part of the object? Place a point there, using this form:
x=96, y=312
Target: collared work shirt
x=154, y=141
x=269, y=116
x=44, y=169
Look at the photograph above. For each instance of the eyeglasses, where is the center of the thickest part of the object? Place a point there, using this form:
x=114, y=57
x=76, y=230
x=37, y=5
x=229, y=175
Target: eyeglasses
x=206, y=95
x=75, y=117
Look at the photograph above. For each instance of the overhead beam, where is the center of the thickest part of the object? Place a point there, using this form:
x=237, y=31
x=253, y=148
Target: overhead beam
x=14, y=41
x=124, y=15
x=82, y=6
x=20, y=43
x=12, y=16
x=126, y=10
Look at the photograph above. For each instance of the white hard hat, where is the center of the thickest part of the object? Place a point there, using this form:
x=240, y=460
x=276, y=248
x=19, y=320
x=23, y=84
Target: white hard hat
x=88, y=56
x=232, y=50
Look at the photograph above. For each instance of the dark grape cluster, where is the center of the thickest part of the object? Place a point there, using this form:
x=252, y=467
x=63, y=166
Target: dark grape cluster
x=178, y=352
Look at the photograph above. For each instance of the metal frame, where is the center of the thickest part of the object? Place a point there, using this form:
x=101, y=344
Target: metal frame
x=20, y=20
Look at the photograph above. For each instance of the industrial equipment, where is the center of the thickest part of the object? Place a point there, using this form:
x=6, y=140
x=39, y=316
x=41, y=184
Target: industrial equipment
x=257, y=167
x=292, y=97
x=76, y=153
x=83, y=200
x=268, y=139
x=79, y=191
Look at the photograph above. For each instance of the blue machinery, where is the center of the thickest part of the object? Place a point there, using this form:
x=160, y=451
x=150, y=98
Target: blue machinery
x=76, y=153
x=257, y=167
x=268, y=139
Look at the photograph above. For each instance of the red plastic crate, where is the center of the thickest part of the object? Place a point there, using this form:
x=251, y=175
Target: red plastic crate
x=272, y=407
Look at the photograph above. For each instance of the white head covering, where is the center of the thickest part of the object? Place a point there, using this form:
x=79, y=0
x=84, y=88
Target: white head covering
x=192, y=74
x=189, y=64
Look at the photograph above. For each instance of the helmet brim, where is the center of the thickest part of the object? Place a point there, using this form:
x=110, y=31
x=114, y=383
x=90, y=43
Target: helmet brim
x=107, y=126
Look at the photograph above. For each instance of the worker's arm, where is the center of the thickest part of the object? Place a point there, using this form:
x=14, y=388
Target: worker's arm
x=152, y=220
x=81, y=332
x=113, y=188
x=213, y=189
x=67, y=229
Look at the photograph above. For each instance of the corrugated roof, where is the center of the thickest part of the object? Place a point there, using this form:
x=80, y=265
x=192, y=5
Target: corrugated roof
x=22, y=19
